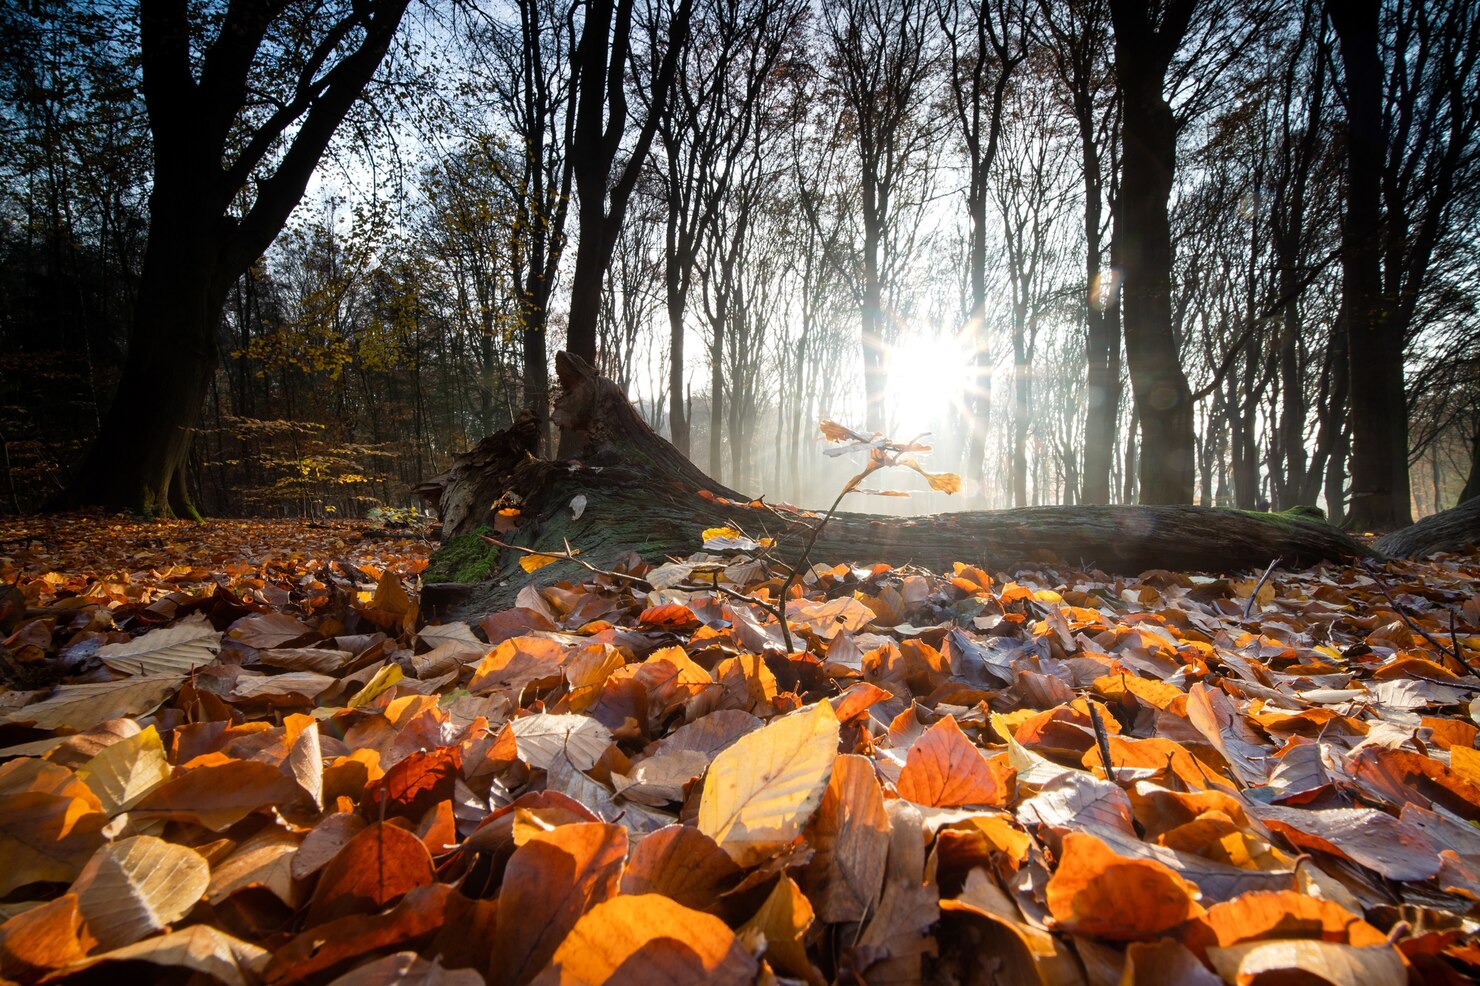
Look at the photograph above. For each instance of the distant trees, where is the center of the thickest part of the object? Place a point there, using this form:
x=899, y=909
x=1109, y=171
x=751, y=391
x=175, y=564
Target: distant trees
x=753, y=213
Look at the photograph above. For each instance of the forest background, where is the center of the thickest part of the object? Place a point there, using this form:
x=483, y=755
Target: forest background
x=1102, y=251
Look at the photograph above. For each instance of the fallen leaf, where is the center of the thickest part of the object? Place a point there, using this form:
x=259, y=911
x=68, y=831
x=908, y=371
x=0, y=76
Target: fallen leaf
x=82, y=707
x=46, y=937
x=123, y=773
x=551, y=880
x=1305, y=961
x=850, y=838
x=1095, y=891
x=647, y=938
x=135, y=887
x=198, y=948
x=375, y=868
x=682, y=863
x=761, y=790
x=175, y=650
x=219, y=795
x=945, y=770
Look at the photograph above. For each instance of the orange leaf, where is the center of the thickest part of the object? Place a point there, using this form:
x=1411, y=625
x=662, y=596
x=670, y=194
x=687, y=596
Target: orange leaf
x=44, y=938
x=375, y=868
x=218, y=796
x=680, y=862
x=413, y=785
x=1094, y=891
x=551, y=880
x=647, y=938
x=850, y=834
x=946, y=770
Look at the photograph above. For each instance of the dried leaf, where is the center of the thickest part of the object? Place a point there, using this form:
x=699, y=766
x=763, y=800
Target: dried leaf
x=647, y=938
x=121, y=774
x=551, y=881
x=760, y=791
x=173, y=650
x=945, y=770
x=1094, y=891
x=135, y=887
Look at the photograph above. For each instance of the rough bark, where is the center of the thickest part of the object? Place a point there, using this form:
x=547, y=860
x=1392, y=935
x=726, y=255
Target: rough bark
x=1447, y=530
x=1148, y=140
x=1379, y=465
x=643, y=497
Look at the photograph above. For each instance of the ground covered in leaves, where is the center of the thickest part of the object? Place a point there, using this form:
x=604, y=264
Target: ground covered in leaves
x=235, y=753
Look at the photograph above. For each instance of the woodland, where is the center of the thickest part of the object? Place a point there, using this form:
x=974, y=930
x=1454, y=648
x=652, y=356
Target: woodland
x=740, y=491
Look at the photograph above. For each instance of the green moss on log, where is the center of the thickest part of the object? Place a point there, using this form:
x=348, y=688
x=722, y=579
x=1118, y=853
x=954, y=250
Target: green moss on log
x=464, y=558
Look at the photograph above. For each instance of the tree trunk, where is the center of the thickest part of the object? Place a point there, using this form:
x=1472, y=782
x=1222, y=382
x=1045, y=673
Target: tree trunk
x=1148, y=141
x=1455, y=529
x=137, y=462
x=642, y=496
x=1379, y=467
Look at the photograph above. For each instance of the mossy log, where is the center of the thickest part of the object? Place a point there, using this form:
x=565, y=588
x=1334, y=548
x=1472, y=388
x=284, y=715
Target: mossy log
x=641, y=495
x=1448, y=530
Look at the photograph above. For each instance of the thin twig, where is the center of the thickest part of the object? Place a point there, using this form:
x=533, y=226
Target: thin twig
x=1398, y=608
x=568, y=555
x=1254, y=596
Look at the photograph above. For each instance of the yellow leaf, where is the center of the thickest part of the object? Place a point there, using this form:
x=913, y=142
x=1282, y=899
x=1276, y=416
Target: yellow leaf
x=126, y=771
x=711, y=533
x=782, y=924
x=761, y=790
x=379, y=685
x=532, y=563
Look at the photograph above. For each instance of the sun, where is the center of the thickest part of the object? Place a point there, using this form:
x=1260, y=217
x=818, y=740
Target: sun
x=927, y=384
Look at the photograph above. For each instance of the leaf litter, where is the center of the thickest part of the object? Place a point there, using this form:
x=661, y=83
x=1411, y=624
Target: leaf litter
x=237, y=752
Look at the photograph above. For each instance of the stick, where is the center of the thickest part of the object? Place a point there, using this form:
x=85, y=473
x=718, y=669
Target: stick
x=1253, y=596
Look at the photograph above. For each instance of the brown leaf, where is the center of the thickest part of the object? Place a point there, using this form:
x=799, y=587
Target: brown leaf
x=199, y=948
x=44, y=938
x=135, y=887
x=414, y=785
x=376, y=867
x=682, y=863
x=50, y=824
x=407, y=969
x=850, y=837
x=1309, y=961
x=550, y=881
x=219, y=795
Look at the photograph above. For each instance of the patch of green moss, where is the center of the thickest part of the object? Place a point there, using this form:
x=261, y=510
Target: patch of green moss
x=1285, y=518
x=464, y=558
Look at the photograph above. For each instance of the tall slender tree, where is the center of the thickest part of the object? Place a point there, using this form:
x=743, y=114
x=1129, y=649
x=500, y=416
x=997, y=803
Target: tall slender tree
x=1144, y=48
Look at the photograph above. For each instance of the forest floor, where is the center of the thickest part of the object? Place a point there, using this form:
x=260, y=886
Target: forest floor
x=235, y=750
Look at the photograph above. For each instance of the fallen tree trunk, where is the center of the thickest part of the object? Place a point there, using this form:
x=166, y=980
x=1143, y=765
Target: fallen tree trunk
x=1448, y=530
x=632, y=491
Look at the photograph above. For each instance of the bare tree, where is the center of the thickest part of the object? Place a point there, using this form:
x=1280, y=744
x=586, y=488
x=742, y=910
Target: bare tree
x=985, y=42
x=1410, y=73
x=218, y=141
x=879, y=50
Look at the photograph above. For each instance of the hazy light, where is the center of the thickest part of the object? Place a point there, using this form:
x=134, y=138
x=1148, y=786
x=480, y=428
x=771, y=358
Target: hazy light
x=928, y=375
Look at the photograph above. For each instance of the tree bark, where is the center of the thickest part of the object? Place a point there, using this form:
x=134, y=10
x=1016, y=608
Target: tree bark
x=1163, y=399
x=642, y=496
x=1449, y=530
x=1379, y=463
x=204, y=162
